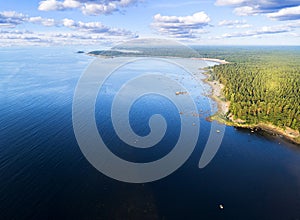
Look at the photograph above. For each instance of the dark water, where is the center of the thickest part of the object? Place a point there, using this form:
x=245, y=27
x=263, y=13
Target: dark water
x=43, y=174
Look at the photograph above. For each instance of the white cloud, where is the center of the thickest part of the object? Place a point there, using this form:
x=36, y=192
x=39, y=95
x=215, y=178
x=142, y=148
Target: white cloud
x=229, y=2
x=97, y=27
x=51, y=5
x=197, y=18
x=292, y=13
x=71, y=4
x=275, y=9
x=234, y=24
x=266, y=30
x=16, y=37
x=21, y=38
x=245, y=11
x=12, y=19
x=231, y=22
x=243, y=26
x=68, y=23
x=79, y=32
x=96, y=9
x=126, y=2
x=12, y=14
x=44, y=21
x=89, y=7
x=181, y=26
x=15, y=32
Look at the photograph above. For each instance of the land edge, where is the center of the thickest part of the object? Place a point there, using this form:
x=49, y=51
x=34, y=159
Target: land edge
x=223, y=107
x=203, y=59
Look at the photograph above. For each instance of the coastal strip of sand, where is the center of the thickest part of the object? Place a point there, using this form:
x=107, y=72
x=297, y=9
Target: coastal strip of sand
x=213, y=60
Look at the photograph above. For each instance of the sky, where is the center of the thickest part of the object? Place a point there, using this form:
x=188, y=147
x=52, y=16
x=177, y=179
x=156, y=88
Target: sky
x=109, y=22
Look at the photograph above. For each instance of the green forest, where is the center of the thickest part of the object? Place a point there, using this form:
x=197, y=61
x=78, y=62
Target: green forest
x=262, y=85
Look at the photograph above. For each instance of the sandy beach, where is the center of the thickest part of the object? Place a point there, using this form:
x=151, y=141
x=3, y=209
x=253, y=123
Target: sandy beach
x=214, y=60
x=217, y=96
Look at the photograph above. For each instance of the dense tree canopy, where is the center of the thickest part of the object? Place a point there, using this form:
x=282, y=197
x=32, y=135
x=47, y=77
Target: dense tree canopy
x=262, y=86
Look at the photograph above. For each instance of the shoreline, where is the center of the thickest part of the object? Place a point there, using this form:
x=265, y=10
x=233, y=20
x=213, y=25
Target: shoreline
x=203, y=59
x=213, y=60
x=223, y=108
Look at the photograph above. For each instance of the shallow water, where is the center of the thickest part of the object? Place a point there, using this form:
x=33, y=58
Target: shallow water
x=44, y=175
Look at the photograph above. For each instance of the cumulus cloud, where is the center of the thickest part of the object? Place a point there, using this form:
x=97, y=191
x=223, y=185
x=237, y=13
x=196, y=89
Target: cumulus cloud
x=96, y=27
x=69, y=23
x=294, y=24
x=266, y=30
x=242, y=26
x=17, y=37
x=12, y=19
x=89, y=7
x=14, y=37
x=234, y=24
x=246, y=10
x=50, y=5
x=44, y=21
x=96, y=9
x=229, y=2
x=292, y=13
x=278, y=9
x=262, y=31
x=181, y=26
x=79, y=32
x=231, y=22
x=17, y=32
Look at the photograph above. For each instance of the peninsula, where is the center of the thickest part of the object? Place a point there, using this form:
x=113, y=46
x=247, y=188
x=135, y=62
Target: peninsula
x=255, y=89
x=260, y=92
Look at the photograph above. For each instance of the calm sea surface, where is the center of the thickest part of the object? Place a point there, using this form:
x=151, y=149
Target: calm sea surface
x=44, y=175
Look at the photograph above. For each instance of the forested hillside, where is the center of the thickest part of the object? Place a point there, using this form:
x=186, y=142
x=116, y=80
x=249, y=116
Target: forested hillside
x=262, y=86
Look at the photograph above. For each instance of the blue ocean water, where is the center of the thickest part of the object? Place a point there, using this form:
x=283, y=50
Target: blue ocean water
x=44, y=175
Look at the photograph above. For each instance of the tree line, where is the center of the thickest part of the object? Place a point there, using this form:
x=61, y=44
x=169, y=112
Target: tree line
x=262, y=86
